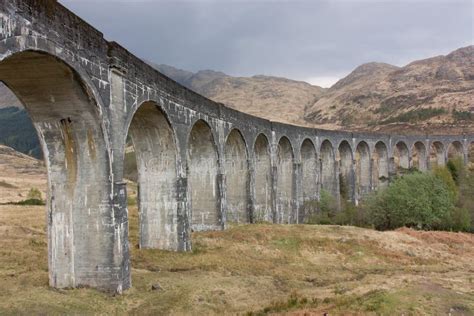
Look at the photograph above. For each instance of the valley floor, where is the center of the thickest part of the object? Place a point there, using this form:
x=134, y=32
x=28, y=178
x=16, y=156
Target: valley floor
x=295, y=269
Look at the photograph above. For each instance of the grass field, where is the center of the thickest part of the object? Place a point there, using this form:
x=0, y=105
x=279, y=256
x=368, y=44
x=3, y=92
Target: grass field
x=254, y=269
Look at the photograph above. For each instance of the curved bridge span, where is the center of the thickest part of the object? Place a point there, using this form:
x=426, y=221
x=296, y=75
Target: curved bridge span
x=200, y=164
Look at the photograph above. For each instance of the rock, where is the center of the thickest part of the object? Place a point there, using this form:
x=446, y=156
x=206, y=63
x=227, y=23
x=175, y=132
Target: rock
x=156, y=287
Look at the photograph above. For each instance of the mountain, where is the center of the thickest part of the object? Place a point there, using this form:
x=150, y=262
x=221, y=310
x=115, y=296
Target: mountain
x=273, y=98
x=17, y=131
x=7, y=98
x=430, y=95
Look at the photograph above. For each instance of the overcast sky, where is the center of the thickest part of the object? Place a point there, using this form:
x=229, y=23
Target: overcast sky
x=314, y=41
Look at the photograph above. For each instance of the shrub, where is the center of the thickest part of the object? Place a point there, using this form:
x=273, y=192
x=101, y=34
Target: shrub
x=419, y=200
x=463, y=115
x=415, y=115
x=30, y=202
x=466, y=193
x=445, y=175
x=459, y=220
x=455, y=167
x=34, y=194
x=322, y=211
x=34, y=197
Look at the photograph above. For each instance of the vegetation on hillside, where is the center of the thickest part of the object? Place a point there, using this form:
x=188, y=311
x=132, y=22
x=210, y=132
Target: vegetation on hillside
x=439, y=200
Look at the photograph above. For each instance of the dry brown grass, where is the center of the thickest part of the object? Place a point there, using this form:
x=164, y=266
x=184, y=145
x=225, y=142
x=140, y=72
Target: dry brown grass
x=254, y=268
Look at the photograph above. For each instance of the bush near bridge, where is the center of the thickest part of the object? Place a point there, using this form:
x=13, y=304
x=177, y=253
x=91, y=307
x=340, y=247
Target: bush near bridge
x=437, y=200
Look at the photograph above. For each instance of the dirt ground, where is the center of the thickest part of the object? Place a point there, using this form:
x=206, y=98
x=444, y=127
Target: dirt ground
x=253, y=270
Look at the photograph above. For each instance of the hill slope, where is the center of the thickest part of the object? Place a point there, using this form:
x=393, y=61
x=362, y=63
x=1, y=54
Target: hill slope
x=18, y=174
x=273, y=98
x=434, y=94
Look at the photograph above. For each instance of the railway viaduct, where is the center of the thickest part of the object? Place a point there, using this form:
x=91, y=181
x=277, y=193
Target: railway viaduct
x=201, y=165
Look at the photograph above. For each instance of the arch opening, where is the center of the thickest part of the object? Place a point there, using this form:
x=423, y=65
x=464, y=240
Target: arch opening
x=263, y=180
x=346, y=172
x=455, y=151
x=285, y=182
x=328, y=169
x=236, y=171
x=202, y=178
x=309, y=170
x=363, y=179
x=381, y=167
x=437, y=155
x=401, y=158
x=471, y=155
x=154, y=151
x=65, y=113
x=418, y=157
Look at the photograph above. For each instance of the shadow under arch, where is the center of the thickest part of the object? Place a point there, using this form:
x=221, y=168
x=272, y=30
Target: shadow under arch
x=263, y=180
x=155, y=153
x=309, y=179
x=346, y=171
x=362, y=169
x=236, y=176
x=285, y=177
x=202, y=169
x=380, y=169
x=470, y=154
x=401, y=158
x=66, y=112
x=328, y=168
x=455, y=150
x=437, y=155
x=418, y=156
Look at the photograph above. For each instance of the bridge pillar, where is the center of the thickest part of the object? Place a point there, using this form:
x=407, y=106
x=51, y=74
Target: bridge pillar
x=298, y=209
x=251, y=200
x=221, y=200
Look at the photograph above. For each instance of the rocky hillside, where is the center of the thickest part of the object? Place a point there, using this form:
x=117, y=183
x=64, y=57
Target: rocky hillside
x=273, y=98
x=434, y=94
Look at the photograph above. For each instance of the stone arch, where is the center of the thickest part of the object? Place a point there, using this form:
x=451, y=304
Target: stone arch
x=346, y=172
x=380, y=169
x=418, y=156
x=154, y=144
x=65, y=110
x=401, y=158
x=455, y=150
x=284, y=192
x=236, y=175
x=437, y=158
x=202, y=178
x=309, y=175
x=263, y=180
x=362, y=160
x=328, y=168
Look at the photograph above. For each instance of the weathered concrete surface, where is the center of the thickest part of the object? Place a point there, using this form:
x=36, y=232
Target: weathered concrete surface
x=262, y=186
x=155, y=149
x=237, y=180
x=200, y=164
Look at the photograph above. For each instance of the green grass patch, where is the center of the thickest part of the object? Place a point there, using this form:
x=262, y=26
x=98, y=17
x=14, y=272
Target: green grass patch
x=415, y=116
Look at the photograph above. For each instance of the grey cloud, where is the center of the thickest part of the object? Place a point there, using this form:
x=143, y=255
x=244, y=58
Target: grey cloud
x=296, y=39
